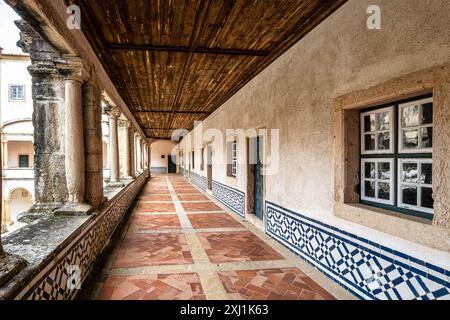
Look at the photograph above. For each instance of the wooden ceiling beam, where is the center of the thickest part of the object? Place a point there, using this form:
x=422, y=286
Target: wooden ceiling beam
x=168, y=111
x=217, y=51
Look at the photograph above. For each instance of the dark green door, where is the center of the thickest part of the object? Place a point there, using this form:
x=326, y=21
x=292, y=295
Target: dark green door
x=258, y=178
x=172, y=164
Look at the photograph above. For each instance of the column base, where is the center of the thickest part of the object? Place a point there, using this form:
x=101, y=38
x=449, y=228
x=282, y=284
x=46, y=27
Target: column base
x=37, y=211
x=75, y=209
x=116, y=184
x=10, y=265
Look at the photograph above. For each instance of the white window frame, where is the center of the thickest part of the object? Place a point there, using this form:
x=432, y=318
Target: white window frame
x=11, y=99
x=234, y=159
x=419, y=127
x=376, y=180
x=418, y=185
x=390, y=110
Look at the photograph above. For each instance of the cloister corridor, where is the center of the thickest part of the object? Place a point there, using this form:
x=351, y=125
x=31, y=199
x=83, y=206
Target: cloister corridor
x=179, y=244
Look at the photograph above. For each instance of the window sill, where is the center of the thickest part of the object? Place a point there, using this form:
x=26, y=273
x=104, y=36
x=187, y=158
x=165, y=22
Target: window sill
x=414, y=229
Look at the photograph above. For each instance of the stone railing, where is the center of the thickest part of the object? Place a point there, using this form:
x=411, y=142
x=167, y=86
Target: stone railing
x=59, y=274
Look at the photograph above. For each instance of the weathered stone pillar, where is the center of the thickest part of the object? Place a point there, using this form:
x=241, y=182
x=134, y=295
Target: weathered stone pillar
x=75, y=73
x=48, y=121
x=126, y=165
x=113, y=114
x=93, y=144
x=141, y=149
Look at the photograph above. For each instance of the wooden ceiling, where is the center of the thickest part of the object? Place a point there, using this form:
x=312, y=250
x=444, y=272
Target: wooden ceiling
x=176, y=61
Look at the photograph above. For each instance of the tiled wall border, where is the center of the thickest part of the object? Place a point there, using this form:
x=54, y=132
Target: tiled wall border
x=51, y=281
x=231, y=197
x=198, y=180
x=367, y=269
x=158, y=170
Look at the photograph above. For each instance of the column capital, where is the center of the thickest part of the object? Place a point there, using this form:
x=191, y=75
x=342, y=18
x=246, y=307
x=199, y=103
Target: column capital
x=74, y=68
x=112, y=111
x=124, y=123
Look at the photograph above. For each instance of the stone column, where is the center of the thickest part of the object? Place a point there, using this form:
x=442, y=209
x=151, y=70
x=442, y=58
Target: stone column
x=138, y=154
x=141, y=140
x=132, y=153
x=93, y=144
x=48, y=122
x=75, y=73
x=113, y=114
x=125, y=129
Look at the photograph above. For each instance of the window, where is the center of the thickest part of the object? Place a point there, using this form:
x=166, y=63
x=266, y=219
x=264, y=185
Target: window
x=416, y=126
x=24, y=161
x=377, y=131
x=232, y=159
x=396, y=173
x=16, y=93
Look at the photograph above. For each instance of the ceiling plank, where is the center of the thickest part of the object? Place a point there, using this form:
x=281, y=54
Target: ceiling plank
x=217, y=51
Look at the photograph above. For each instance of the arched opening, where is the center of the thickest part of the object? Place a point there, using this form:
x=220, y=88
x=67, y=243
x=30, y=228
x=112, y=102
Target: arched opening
x=18, y=201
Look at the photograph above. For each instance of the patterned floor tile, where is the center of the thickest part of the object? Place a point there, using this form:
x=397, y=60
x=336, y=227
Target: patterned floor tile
x=155, y=207
x=213, y=220
x=156, y=222
x=184, y=286
x=200, y=206
x=236, y=246
x=139, y=250
x=192, y=197
x=272, y=284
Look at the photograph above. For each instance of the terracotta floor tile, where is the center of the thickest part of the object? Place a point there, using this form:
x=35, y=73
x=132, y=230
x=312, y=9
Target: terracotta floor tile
x=213, y=220
x=156, y=222
x=236, y=246
x=156, y=197
x=139, y=250
x=155, y=207
x=271, y=284
x=183, y=286
x=192, y=197
x=200, y=206
x=152, y=191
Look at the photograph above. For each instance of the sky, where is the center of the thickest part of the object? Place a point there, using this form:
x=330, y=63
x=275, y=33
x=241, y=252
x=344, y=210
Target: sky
x=9, y=34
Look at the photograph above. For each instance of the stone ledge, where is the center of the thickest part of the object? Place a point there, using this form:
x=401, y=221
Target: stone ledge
x=50, y=241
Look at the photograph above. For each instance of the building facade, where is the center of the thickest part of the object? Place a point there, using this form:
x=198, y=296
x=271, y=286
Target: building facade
x=16, y=109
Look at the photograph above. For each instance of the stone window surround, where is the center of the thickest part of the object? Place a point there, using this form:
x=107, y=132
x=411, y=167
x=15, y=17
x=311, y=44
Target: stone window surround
x=346, y=119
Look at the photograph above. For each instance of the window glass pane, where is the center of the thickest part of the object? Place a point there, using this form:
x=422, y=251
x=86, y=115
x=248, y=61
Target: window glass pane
x=427, y=113
x=409, y=172
x=427, y=137
x=369, y=142
x=384, y=170
x=427, y=198
x=369, y=170
x=383, y=121
x=426, y=174
x=369, y=123
x=410, y=116
x=369, y=189
x=410, y=139
x=384, y=191
x=409, y=195
x=384, y=141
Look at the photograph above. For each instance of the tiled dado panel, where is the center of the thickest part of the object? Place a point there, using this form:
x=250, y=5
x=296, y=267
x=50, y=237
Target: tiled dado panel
x=198, y=180
x=232, y=198
x=158, y=170
x=367, y=269
x=52, y=282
